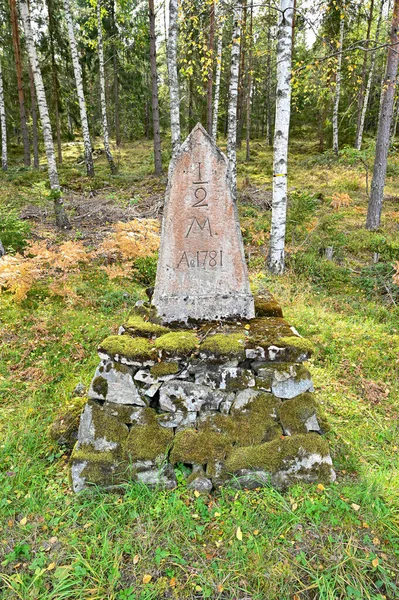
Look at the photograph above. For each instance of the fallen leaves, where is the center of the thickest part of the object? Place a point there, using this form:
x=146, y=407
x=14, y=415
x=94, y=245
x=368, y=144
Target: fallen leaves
x=147, y=578
x=239, y=534
x=23, y=521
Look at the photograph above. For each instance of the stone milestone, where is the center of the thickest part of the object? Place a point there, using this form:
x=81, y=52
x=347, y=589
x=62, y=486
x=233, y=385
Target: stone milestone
x=201, y=269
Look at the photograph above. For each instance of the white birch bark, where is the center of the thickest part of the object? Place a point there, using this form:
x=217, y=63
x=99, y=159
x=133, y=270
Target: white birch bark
x=3, y=125
x=219, y=19
x=79, y=88
x=103, y=103
x=60, y=215
x=281, y=137
x=233, y=97
x=173, y=76
x=338, y=87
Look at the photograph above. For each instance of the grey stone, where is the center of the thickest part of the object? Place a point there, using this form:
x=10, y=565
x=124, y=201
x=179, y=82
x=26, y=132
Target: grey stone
x=312, y=424
x=145, y=377
x=78, y=482
x=175, y=395
x=303, y=469
x=225, y=378
x=255, y=353
x=152, y=390
x=79, y=390
x=120, y=385
x=244, y=398
x=178, y=419
x=251, y=479
x=157, y=476
x=201, y=270
x=203, y=485
x=290, y=387
x=92, y=433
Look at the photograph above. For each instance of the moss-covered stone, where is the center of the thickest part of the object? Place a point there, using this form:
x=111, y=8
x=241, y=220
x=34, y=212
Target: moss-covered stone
x=64, y=430
x=137, y=325
x=100, y=431
x=298, y=343
x=224, y=344
x=294, y=413
x=100, y=386
x=199, y=447
x=267, y=306
x=278, y=454
x=148, y=441
x=96, y=468
x=136, y=348
x=177, y=343
x=266, y=331
x=162, y=369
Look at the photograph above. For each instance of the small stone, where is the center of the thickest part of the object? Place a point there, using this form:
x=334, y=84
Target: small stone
x=255, y=353
x=177, y=419
x=290, y=387
x=312, y=424
x=203, y=485
x=79, y=390
x=114, y=383
x=251, y=479
x=145, y=377
x=189, y=396
x=244, y=398
x=155, y=476
x=152, y=390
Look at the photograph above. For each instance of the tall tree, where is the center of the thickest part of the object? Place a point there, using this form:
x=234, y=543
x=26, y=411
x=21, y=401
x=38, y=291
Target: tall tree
x=18, y=66
x=173, y=76
x=338, y=85
x=103, y=102
x=115, y=62
x=276, y=258
x=154, y=88
x=60, y=214
x=233, y=96
x=54, y=75
x=249, y=87
x=3, y=124
x=211, y=43
x=33, y=110
x=219, y=18
x=79, y=88
x=384, y=125
x=361, y=95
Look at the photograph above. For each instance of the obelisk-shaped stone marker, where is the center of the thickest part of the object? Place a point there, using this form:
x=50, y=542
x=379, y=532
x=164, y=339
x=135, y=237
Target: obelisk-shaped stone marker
x=201, y=270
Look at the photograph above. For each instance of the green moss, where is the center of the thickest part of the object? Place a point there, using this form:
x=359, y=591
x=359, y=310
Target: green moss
x=164, y=368
x=199, y=447
x=106, y=427
x=220, y=344
x=301, y=344
x=293, y=413
x=131, y=348
x=177, y=343
x=267, y=307
x=102, y=468
x=266, y=331
x=100, y=386
x=148, y=441
x=120, y=368
x=277, y=454
x=64, y=429
x=139, y=326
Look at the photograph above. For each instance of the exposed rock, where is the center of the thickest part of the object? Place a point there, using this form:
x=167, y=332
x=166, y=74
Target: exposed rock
x=298, y=415
x=175, y=395
x=80, y=390
x=289, y=387
x=243, y=398
x=99, y=431
x=201, y=485
x=115, y=383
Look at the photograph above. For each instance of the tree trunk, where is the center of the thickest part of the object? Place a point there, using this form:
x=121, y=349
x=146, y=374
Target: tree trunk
x=276, y=258
x=35, y=135
x=360, y=100
x=395, y=120
x=56, y=85
x=211, y=43
x=384, y=126
x=3, y=126
x=173, y=76
x=60, y=214
x=18, y=66
x=233, y=96
x=154, y=87
x=107, y=148
x=114, y=50
x=217, y=79
x=241, y=74
x=338, y=86
x=269, y=124
x=249, y=90
x=79, y=88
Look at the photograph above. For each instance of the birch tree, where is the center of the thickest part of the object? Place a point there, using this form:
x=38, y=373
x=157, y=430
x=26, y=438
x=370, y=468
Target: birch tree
x=107, y=148
x=338, y=85
x=233, y=97
x=219, y=18
x=79, y=88
x=3, y=125
x=173, y=76
x=384, y=125
x=249, y=86
x=276, y=260
x=211, y=43
x=154, y=88
x=60, y=214
x=33, y=110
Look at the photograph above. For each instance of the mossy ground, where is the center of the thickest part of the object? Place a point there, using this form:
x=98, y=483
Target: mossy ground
x=340, y=542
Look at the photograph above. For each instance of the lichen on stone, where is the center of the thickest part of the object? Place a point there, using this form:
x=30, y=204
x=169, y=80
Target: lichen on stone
x=294, y=413
x=137, y=325
x=132, y=348
x=224, y=344
x=96, y=468
x=177, y=343
x=162, y=369
x=100, y=386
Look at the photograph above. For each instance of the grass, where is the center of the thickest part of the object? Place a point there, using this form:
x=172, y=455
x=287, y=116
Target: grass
x=337, y=542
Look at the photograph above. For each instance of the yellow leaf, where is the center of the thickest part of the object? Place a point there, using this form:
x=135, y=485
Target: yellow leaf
x=23, y=521
x=147, y=578
x=51, y=566
x=173, y=582
x=198, y=588
x=256, y=532
x=376, y=541
x=239, y=534
x=375, y=562
x=216, y=514
x=196, y=494
x=321, y=487
x=220, y=588
x=136, y=559
x=294, y=506
x=355, y=507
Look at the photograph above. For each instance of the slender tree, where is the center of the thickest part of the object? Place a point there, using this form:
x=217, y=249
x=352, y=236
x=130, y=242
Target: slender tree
x=54, y=76
x=79, y=88
x=115, y=62
x=173, y=76
x=338, y=85
x=103, y=102
x=276, y=258
x=249, y=90
x=60, y=214
x=3, y=124
x=33, y=110
x=384, y=125
x=18, y=66
x=211, y=43
x=219, y=18
x=241, y=72
x=154, y=87
x=233, y=96
x=360, y=98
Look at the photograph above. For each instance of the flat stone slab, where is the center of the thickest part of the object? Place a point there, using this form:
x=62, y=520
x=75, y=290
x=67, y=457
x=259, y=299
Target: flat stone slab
x=201, y=271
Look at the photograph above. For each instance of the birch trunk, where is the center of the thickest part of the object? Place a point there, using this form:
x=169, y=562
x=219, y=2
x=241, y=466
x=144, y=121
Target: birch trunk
x=338, y=87
x=217, y=77
x=116, y=80
x=241, y=72
x=249, y=90
x=79, y=88
x=107, y=148
x=233, y=96
x=211, y=43
x=35, y=135
x=384, y=126
x=3, y=125
x=173, y=76
x=359, y=136
x=18, y=66
x=360, y=99
x=56, y=85
x=276, y=259
x=154, y=86
x=60, y=214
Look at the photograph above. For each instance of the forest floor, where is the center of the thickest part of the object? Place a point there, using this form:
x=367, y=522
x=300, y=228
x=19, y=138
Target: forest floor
x=313, y=542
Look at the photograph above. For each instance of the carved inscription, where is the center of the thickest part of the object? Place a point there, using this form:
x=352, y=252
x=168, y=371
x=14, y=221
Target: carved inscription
x=201, y=258
x=197, y=227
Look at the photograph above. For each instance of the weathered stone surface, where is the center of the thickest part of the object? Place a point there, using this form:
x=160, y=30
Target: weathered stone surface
x=251, y=479
x=99, y=431
x=289, y=387
x=298, y=415
x=175, y=395
x=225, y=378
x=178, y=419
x=203, y=485
x=115, y=384
x=154, y=475
x=201, y=269
x=244, y=398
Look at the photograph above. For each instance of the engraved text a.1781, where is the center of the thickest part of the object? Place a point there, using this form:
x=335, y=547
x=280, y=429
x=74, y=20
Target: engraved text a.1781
x=201, y=259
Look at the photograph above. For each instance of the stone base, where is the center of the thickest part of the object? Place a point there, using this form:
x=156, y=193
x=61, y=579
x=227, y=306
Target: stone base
x=222, y=402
